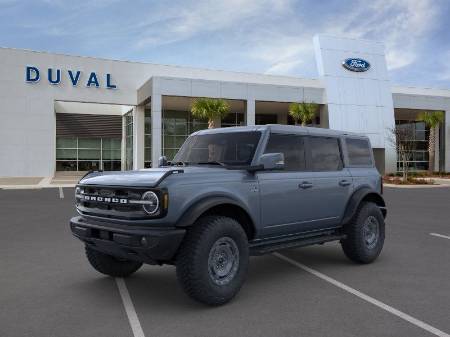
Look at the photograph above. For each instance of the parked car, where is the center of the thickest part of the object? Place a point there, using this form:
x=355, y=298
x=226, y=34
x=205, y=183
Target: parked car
x=230, y=193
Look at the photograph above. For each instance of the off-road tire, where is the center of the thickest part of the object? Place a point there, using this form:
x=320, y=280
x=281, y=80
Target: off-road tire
x=193, y=261
x=109, y=265
x=355, y=246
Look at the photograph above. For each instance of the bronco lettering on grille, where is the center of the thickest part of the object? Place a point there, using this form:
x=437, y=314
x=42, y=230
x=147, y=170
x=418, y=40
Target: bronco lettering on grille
x=104, y=199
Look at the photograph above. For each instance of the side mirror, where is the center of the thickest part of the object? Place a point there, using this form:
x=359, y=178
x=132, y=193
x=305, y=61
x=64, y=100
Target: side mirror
x=162, y=161
x=272, y=161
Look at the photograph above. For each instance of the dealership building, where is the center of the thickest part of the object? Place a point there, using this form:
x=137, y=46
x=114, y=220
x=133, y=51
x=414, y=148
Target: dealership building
x=73, y=114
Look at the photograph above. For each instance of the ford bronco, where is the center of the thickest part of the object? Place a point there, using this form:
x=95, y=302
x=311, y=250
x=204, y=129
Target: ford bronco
x=230, y=193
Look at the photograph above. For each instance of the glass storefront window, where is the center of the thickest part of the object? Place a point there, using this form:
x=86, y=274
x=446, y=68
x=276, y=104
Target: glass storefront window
x=262, y=119
x=129, y=140
x=89, y=143
x=419, y=160
x=176, y=127
x=65, y=154
x=84, y=154
x=66, y=143
x=148, y=139
x=233, y=119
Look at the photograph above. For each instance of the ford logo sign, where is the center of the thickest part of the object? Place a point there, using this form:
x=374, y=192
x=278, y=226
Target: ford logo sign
x=355, y=64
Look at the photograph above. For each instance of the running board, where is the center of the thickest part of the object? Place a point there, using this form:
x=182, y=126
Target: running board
x=268, y=246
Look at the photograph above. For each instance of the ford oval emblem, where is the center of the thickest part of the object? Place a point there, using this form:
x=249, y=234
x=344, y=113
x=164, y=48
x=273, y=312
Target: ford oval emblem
x=355, y=64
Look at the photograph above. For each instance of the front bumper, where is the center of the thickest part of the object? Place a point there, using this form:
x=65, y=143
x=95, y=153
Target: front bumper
x=160, y=244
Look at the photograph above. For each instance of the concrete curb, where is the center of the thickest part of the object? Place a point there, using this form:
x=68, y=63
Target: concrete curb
x=33, y=187
x=414, y=186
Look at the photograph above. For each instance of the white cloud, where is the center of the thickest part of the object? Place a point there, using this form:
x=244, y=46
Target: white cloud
x=399, y=24
x=444, y=72
x=272, y=36
x=190, y=18
x=282, y=54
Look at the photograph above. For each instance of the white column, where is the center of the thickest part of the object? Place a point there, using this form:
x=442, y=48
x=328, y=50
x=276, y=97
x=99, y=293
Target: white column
x=138, y=137
x=447, y=141
x=250, y=113
x=123, y=146
x=156, y=106
x=371, y=110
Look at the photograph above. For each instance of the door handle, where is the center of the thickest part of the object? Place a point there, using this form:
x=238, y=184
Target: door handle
x=345, y=182
x=305, y=185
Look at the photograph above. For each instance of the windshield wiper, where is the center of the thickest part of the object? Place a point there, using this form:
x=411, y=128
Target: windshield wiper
x=212, y=162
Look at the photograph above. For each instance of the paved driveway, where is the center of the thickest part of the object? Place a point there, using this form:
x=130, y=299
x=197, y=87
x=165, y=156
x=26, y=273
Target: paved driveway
x=47, y=287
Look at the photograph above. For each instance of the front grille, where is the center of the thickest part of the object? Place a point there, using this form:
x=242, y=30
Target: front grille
x=110, y=202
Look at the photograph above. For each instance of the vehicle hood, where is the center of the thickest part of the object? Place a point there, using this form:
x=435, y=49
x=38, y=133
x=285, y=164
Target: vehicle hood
x=145, y=177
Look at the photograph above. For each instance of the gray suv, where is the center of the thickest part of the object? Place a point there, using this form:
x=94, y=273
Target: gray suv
x=230, y=193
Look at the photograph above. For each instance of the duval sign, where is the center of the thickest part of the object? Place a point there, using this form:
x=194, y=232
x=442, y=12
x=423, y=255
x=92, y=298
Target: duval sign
x=75, y=77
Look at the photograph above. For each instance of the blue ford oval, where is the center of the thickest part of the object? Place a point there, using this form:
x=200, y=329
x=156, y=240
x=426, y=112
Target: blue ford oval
x=356, y=64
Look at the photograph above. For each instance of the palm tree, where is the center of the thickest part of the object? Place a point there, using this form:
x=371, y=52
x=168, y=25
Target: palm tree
x=431, y=120
x=305, y=112
x=210, y=109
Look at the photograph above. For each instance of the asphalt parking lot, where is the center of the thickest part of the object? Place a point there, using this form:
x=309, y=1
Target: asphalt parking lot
x=48, y=289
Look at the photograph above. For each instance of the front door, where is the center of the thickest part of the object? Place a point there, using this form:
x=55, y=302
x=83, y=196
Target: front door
x=286, y=205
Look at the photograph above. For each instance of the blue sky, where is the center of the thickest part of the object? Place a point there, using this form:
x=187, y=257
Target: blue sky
x=264, y=36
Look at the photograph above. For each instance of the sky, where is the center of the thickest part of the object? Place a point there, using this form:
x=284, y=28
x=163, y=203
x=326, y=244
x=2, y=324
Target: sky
x=262, y=36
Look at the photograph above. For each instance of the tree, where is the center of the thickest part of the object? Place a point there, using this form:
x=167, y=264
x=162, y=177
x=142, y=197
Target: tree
x=210, y=109
x=304, y=112
x=432, y=120
x=402, y=137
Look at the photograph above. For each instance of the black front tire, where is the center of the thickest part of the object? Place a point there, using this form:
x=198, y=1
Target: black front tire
x=213, y=259
x=109, y=265
x=365, y=234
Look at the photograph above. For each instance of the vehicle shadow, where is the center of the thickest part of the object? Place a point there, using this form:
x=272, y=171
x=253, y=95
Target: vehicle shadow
x=157, y=287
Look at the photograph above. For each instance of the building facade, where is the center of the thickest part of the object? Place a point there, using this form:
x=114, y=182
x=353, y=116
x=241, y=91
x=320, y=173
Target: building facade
x=70, y=113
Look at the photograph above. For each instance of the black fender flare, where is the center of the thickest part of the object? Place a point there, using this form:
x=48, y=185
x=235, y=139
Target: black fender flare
x=363, y=193
x=201, y=206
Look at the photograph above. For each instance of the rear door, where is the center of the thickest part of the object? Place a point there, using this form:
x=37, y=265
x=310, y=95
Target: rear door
x=332, y=182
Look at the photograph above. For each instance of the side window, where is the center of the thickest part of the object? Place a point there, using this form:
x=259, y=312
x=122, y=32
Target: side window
x=292, y=147
x=325, y=154
x=359, y=152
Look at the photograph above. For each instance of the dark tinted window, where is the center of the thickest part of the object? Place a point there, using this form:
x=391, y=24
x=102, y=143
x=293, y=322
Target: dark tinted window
x=359, y=152
x=325, y=154
x=292, y=148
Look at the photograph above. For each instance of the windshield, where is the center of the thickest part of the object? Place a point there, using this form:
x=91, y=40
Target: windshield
x=230, y=148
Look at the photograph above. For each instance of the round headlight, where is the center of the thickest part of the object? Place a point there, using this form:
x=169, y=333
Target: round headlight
x=151, y=204
x=78, y=191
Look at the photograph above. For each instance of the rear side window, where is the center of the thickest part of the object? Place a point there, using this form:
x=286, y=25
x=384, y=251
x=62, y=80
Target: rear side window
x=359, y=152
x=325, y=154
x=292, y=147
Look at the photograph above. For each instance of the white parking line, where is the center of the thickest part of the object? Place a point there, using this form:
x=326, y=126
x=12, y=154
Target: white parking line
x=365, y=297
x=129, y=308
x=61, y=193
x=440, y=236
